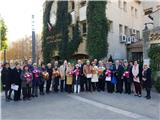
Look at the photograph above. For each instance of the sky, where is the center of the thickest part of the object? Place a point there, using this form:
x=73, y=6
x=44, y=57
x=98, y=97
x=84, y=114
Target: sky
x=17, y=15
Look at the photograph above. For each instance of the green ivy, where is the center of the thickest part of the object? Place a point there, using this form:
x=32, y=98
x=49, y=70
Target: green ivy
x=47, y=46
x=76, y=40
x=61, y=28
x=154, y=53
x=97, y=45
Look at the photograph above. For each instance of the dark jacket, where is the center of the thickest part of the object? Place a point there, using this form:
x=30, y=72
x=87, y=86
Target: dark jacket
x=118, y=72
x=50, y=72
x=6, y=76
x=17, y=76
x=24, y=81
x=147, y=75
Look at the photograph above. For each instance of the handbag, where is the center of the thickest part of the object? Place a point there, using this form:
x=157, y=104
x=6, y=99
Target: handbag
x=114, y=80
x=14, y=87
x=108, y=79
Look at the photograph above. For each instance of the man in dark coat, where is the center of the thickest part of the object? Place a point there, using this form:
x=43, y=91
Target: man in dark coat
x=119, y=70
x=82, y=78
x=17, y=81
x=50, y=71
x=6, y=77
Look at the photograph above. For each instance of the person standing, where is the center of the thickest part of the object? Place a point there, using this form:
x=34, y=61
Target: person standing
x=36, y=80
x=127, y=78
x=17, y=81
x=82, y=78
x=119, y=70
x=56, y=76
x=94, y=79
x=76, y=78
x=62, y=70
x=6, y=77
x=49, y=81
x=69, y=80
x=101, y=78
x=108, y=79
x=43, y=79
x=27, y=78
x=88, y=75
x=146, y=77
x=136, y=79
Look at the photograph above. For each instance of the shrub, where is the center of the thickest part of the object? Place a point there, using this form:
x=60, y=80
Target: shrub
x=157, y=84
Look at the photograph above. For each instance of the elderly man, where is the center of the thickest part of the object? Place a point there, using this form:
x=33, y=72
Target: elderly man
x=50, y=71
x=82, y=78
x=87, y=70
x=119, y=70
x=62, y=70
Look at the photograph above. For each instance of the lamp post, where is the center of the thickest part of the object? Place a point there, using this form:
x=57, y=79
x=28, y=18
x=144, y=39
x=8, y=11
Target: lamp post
x=33, y=40
x=146, y=44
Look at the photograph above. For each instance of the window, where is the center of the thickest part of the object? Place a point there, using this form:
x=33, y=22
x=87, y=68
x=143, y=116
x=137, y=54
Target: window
x=84, y=29
x=110, y=24
x=132, y=10
x=83, y=3
x=120, y=29
x=137, y=34
x=119, y=3
x=73, y=28
x=126, y=32
x=73, y=6
x=125, y=6
x=136, y=12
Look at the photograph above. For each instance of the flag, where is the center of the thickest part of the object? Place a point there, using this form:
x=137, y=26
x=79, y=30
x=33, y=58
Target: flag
x=49, y=27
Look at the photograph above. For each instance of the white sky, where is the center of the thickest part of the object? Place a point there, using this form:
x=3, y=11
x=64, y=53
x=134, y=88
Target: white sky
x=17, y=15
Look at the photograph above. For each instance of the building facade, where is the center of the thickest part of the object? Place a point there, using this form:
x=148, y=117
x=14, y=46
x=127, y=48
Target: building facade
x=126, y=23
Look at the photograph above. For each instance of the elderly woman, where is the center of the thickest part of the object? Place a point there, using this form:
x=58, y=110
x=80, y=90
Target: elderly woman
x=26, y=77
x=69, y=80
x=76, y=78
x=146, y=77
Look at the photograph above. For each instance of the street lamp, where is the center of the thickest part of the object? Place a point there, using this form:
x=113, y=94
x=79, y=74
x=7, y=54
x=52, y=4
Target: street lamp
x=146, y=44
x=33, y=40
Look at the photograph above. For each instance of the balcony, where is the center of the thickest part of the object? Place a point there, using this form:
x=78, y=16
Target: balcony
x=82, y=13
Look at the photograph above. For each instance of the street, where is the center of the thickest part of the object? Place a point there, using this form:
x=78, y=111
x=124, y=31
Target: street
x=95, y=105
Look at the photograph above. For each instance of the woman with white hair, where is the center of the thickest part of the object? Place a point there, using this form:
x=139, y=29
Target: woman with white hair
x=76, y=78
x=94, y=79
x=146, y=77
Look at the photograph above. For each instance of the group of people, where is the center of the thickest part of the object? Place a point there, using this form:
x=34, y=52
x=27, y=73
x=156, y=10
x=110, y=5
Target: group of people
x=30, y=80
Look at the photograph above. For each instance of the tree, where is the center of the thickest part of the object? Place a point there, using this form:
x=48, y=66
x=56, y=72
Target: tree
x=76, y=40
x=47, y=46
x=61, y=28
x=3, y=35
x=97, y=45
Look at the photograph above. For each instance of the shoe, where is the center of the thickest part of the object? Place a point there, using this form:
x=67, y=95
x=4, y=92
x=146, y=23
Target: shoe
x=139, y=95
x=148, y=97
x=135, y=95
x=24, y=99
x=7, y=100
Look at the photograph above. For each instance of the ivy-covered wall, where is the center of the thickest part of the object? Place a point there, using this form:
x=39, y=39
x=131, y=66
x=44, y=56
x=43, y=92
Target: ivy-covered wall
x=97, y=45
x=47, y=46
